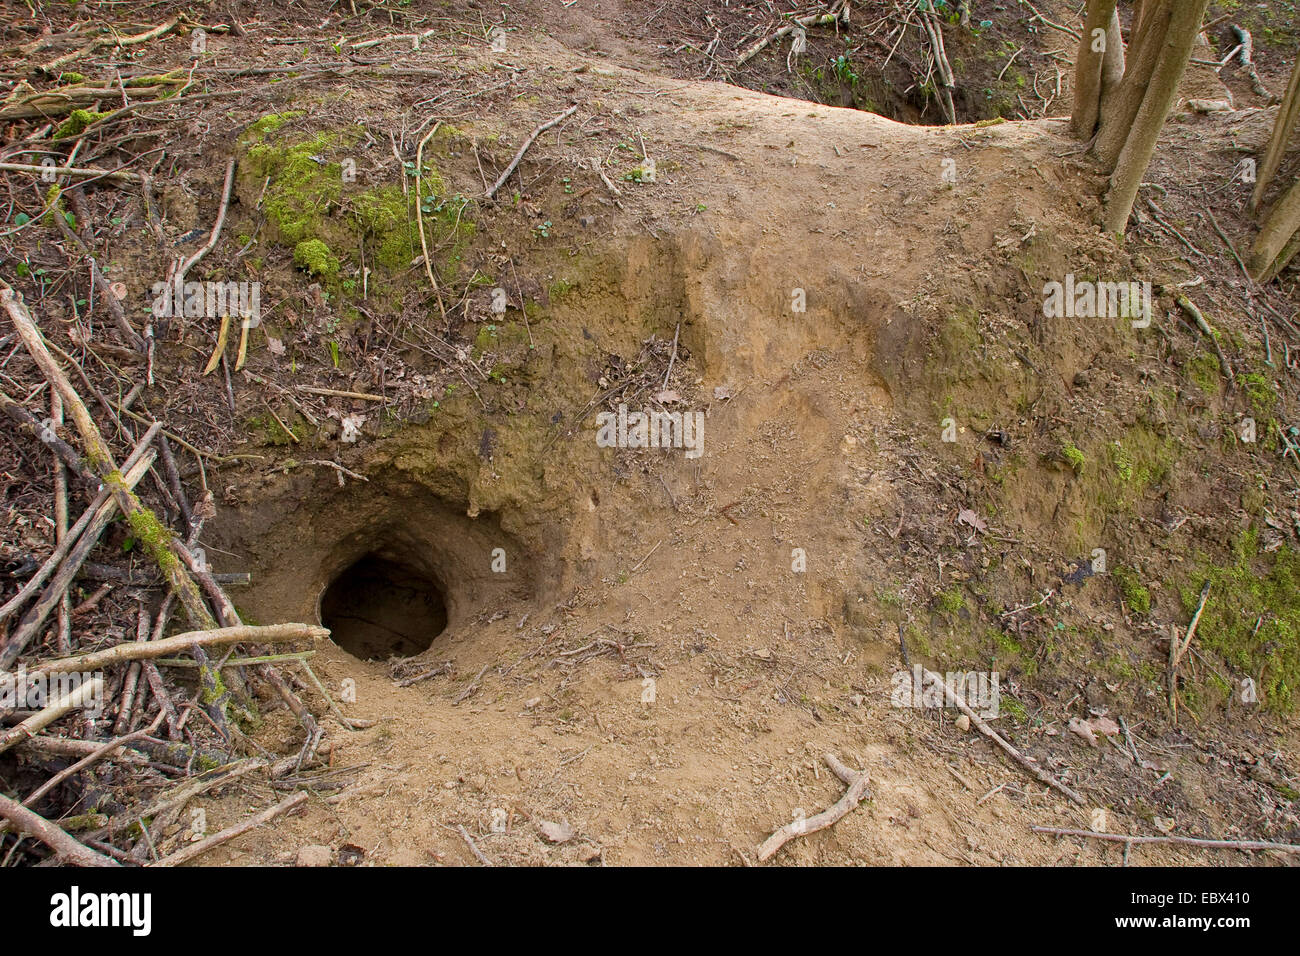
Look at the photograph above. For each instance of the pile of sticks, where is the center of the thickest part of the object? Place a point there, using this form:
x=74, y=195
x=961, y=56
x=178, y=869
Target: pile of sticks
x=111, y=739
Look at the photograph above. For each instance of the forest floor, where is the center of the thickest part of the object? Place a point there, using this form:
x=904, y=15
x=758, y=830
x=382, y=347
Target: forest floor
x=903, y=462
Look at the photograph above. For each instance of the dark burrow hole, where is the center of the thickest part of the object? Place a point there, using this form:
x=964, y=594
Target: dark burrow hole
x=379, y=608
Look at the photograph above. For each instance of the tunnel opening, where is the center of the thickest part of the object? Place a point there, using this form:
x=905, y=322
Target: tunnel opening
x=379, y=608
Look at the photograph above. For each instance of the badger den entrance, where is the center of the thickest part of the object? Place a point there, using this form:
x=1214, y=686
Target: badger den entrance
x=378, y=608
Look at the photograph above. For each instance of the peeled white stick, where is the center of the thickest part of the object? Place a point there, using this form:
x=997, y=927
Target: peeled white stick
x=142, y=650
x=82, y=696
x=190, y=852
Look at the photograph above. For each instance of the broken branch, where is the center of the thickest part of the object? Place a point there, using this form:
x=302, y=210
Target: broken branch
x=65, y=847
x=857, y=782
x=532, y=137
x=179, y=643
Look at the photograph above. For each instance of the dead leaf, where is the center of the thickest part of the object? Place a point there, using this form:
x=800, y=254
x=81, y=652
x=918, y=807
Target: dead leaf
x=1084, y=730
x=556, y=832
x=1104, y=725
x=966, y=516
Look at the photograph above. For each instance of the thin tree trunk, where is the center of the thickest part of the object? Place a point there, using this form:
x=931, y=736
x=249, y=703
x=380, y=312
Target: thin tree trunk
x=1274, y=246
x=1088, y=67
x=1112, y=64
x=1287, y=114
x=1150, y=120
x=1145, y=44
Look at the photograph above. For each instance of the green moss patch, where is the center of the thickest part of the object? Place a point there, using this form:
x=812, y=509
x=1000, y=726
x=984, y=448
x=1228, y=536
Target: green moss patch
x=1134, y=592
x=1203, y=370
x=1252, y=617
x=77, y=122
x=315, y=258
x=336, y=221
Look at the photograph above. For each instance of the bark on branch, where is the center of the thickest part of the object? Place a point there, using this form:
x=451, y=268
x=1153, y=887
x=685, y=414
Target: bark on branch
x=857, y=782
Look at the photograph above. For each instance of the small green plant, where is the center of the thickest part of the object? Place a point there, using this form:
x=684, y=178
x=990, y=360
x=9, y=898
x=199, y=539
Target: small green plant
x=1122, y=462
x=1074, y=458
x=890, y=597
x=844, y=71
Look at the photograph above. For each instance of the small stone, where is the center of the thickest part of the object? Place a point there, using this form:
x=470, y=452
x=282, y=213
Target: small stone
x=351, y=855
x=962, y=723
x=314, y=855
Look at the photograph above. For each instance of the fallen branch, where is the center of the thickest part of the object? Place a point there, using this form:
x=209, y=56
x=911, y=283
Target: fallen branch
x=65, y=847
x=334, y=392
x=839, y=11
x=44, y=746
x=532, y=137
x=473, y=847
x=947, y=81
x=106, y=294
x=266, y=816
x=52, y=68
x=1176, y=651
x=857, y=783
x=1190, y=308
x=152, y=533
x=419, y=215
x=208, y=246
x=177, y=798
x=71, y=536
x=89, y=759
x=1187, y=841
x=179, y=643
x=77, y=544
x=29, y=424
x=76, y=172
x=978, y=723
x=1245, y=57
x=84, y=694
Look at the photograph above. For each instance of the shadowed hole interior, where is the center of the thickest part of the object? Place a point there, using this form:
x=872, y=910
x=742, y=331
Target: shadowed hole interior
x=378, y=608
